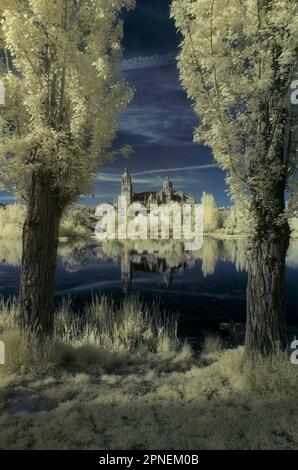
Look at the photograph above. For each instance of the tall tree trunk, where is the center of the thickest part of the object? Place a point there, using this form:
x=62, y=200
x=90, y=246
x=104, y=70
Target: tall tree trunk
x=266, y=324
x=40, y=244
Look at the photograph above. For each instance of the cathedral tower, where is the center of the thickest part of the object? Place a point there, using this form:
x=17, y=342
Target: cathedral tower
x=126, y=187
x=168, y=190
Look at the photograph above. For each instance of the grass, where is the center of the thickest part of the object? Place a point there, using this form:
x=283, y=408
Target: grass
x=103, y=331
x=118, y=378
x=212, y=349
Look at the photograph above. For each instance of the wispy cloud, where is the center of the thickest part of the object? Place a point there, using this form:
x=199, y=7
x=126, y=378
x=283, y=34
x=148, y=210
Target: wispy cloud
x=142, y=62
x=170, y=170
x=160, y=113
x=154, y=180
x=155, y=177
x=160, y=121
x=115, y=177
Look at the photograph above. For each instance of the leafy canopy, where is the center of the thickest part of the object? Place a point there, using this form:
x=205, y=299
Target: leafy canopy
x=60, y=66
x=237, y=61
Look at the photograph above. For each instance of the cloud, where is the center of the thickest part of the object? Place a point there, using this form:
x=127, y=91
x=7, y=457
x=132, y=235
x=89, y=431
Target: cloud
x=155, y=177
x=112, y=177
x=115, y=179
x=160, y=113
x=141, y=62
x=156, y=123
x=170, y=170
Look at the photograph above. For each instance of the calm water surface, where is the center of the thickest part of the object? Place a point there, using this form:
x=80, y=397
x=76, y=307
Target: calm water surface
x=205, y=287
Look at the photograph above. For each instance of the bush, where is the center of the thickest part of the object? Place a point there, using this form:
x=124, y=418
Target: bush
x=77, y=221
x=11, y=221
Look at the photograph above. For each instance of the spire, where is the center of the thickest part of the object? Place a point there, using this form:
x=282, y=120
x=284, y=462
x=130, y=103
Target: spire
x=126, y=186
x=167, y=190
x=168, y=183
x=126, y=176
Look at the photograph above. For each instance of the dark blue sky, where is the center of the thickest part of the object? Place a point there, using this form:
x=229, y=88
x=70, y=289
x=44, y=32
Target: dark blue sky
x=159, y=122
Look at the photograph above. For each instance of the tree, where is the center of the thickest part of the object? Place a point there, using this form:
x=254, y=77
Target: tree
x=237, y=62
x=210, y=212
x=60, y=68
x=237, y=220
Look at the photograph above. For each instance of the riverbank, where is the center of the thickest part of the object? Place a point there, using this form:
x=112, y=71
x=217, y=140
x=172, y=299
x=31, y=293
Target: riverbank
x=129, y=384
x=79, y=222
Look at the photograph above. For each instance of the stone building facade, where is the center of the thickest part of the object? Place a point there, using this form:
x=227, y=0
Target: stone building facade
x=164, y=196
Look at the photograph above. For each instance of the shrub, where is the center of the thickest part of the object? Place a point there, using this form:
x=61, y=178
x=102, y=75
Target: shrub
x=11, y=221
x=77, y=221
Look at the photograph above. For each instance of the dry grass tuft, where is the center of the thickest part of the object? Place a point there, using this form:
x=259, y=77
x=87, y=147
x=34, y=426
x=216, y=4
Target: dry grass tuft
x=102, y=334
x=212, y=349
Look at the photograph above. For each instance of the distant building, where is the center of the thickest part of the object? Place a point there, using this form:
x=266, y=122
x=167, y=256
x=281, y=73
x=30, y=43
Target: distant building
x=164, y=196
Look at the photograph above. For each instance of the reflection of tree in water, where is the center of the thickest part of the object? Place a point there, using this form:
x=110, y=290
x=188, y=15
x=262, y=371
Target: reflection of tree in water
x=166, y=258
x=235, y=251
x=209, y=254
x=73, y=256
x=292, y=256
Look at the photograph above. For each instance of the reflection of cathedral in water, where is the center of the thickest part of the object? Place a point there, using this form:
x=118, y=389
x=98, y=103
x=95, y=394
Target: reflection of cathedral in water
x=126, y=271
x=148, y=262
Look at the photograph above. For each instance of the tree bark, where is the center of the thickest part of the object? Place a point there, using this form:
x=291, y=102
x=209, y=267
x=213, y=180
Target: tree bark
x=40, y=245
x=266, y=321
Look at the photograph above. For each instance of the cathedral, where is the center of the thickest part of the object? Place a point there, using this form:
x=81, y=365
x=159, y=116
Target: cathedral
x=164, y=196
